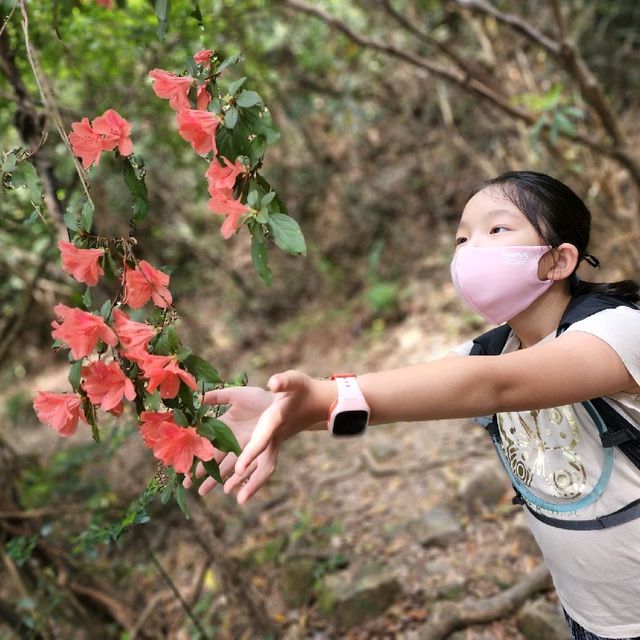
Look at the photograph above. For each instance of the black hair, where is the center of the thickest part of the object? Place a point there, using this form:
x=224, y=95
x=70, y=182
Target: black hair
x=559, y=215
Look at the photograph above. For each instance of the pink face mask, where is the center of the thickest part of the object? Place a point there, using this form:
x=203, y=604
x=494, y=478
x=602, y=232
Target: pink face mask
x=498, y=282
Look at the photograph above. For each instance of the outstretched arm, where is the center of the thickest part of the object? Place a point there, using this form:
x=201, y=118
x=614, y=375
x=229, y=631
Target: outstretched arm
x=572, y=368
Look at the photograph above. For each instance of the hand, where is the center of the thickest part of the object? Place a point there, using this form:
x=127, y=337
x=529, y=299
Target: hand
x=263, y=421
x=247, y=403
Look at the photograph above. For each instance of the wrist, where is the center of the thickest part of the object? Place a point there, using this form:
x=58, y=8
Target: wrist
x=323, y=394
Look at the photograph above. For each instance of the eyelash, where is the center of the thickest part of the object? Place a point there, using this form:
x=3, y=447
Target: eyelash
x=497, y=226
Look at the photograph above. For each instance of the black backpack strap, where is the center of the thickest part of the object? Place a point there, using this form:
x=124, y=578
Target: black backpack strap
x=491, y=343
x=586, y=305
x=620, y=432
x=627, y=513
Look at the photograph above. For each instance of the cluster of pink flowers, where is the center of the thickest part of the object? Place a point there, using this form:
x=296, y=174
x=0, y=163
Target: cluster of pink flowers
x=106, y=132
x=105, y=384
x=198, y=127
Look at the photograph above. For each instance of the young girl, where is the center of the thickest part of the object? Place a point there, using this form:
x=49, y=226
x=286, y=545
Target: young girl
x=518, y=244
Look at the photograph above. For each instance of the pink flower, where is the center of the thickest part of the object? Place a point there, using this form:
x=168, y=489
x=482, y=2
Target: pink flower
x=203, y=57
x=203, y=97
x=61, y=411
x=86, y=143
x=199, y=128
x=133, y=335
x=224, y=204
x=145, y=282
x=115, y=131
x=179, y=445
x=223, y=176
x=82, y=264
x=106, y=384
x=174, y=445
x=151, y=424
x=81, y=330
x=163, y=372
x=174, y=88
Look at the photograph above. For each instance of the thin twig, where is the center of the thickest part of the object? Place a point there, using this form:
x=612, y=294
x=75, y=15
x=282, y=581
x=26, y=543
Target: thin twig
x=176, y=592
x=48, y=99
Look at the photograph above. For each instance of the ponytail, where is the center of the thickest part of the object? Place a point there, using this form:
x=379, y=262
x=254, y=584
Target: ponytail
x=627, y=290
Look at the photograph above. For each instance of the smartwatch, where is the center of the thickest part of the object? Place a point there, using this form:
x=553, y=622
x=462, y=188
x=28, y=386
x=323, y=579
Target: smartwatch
x=349, y=414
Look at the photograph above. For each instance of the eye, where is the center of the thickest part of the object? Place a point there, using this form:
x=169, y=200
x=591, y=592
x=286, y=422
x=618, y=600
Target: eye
x=460, y=241
x=499, y=226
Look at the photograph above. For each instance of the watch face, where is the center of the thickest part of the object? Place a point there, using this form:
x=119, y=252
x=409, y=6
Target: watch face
x=350, y=423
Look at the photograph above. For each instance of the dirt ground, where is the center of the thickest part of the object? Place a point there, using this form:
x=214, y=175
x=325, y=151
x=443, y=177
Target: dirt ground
x=356, y=497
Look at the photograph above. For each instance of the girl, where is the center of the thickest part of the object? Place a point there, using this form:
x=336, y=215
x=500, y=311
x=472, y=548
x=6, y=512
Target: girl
x=518, y=244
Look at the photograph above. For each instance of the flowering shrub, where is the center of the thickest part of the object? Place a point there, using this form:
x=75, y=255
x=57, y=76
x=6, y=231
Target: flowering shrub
x=117, y=361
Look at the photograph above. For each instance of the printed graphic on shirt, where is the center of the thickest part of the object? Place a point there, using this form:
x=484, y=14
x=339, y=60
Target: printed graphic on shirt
x=541, y=448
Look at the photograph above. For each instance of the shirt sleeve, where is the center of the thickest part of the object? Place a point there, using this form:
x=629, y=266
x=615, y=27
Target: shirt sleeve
x=620, y=329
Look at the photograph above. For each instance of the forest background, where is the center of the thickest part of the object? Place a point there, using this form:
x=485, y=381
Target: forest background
x=390, y=114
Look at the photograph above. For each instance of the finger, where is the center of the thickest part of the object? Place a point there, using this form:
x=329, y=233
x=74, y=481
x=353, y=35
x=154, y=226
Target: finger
x=186, y=482
x=226, y=395
x=236, y=480
x=256, y=480
x=262, y=435
x=226, y=468
x=207, y=485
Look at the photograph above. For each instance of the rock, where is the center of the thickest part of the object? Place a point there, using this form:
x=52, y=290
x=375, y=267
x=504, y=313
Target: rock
x=438, y=527
x=485, y=487
x=296, y=581
x=349, y=603
x=446, y=582
x=541, y=620
x=381, y=451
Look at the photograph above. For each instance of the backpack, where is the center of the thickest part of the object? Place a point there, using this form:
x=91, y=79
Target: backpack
x=613, y=428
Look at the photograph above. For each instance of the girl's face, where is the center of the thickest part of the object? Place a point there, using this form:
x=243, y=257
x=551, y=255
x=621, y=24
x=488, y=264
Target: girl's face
x=490, y=219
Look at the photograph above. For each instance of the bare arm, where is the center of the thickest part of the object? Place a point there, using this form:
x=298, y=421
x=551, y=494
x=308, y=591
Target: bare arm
x=571, y=368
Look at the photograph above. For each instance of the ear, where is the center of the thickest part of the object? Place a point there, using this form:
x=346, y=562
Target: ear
x=560, y=262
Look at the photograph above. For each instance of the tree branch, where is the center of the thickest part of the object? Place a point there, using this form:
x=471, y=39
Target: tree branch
x=448, y=616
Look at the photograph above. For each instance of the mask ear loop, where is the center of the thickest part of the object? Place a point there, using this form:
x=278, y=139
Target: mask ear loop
x=592, y=260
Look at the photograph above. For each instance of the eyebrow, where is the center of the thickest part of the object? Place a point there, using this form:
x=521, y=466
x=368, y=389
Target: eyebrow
x=493, y=212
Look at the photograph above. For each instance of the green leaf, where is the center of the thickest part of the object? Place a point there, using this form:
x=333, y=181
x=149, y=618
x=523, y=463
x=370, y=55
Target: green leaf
x=235, y=85
x=183, y=353
x=212, y=468
x=105, y=309
x=180, y=418
x=248, y=99
x=74, y=374
x=167, y=492
x=287, y=234
x=86, y=298
x=180, y=499
x=252, y=198
x=153, y=400
x=90, y=414
x=25, y=175
x=137, y=188
x=10, y=161
x=228, y=62
x=70, y=221
x=201, y=369
x=259, y=256
x=186, y=395
x=167, y=342
x=162, y=13
x=263, y=216
x=192, y=67
x=231, y=117
x=219, y=433
x=267, y=198
x=86, y=216
x=241, y=380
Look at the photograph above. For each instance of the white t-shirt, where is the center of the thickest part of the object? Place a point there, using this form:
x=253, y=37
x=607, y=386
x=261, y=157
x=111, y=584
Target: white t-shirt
x=557, y=454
